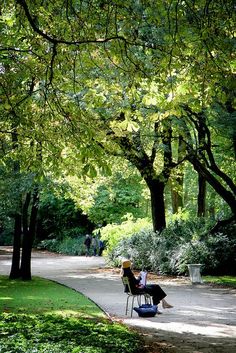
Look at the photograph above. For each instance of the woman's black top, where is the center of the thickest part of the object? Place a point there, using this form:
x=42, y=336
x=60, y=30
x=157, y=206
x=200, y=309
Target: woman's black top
x=133, y=281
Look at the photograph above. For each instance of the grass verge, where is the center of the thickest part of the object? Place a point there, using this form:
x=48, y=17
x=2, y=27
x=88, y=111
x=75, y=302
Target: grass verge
x=221, y=280
x=41, y=316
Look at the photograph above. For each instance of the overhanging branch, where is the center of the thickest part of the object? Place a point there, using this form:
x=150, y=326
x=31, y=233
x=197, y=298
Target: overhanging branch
x=54, y=40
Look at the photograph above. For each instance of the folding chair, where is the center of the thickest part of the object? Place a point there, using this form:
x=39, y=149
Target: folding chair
x=146, y=296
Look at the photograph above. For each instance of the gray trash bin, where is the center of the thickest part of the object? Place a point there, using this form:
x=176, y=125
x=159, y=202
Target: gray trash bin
x=194, y=273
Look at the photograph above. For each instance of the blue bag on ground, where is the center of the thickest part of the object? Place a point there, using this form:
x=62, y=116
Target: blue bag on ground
x=146, y=310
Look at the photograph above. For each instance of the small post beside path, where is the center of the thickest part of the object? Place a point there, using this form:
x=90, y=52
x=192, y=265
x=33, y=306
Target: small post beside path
x=194, y=273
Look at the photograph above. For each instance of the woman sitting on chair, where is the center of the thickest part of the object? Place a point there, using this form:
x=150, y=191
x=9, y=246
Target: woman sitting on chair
x=152, y=289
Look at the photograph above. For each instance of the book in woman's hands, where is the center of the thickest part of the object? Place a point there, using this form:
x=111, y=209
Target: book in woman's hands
x=143, y=278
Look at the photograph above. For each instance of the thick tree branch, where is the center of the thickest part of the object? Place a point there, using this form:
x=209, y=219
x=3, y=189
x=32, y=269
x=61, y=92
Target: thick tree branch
x=55, y=40
x=166, y=139
x=207, y=147
x=220, y=189
x=155, y=143
x=54, y=53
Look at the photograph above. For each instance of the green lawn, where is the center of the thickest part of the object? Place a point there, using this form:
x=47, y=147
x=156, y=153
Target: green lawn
x=221, y=280
x=41, y=316
x=43, y=296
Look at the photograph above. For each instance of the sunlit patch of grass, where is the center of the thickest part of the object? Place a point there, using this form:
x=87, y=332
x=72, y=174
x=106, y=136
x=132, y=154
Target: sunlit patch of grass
x=43, y=296
x=221, y=280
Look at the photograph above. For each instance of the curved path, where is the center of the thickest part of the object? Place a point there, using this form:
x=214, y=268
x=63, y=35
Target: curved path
x=203, y=319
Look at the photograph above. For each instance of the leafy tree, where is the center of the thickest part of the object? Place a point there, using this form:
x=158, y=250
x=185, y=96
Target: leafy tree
x=58, y=215
x=117, y=196
x=202, y=158
x=129, y=79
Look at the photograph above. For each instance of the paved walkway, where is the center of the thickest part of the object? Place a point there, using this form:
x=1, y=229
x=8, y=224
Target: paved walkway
x=203, y=319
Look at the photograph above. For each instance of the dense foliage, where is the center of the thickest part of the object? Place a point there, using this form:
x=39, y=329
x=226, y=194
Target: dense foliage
x=180, y=244
x=117, y=196
x=59, y=217
x=112, y=234
x=64, y=245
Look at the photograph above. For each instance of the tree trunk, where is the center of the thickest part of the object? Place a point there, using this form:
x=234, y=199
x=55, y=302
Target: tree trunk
x=176, y=195
x=26, y=256
x=28, y=236
x=178, y=181
x=177, y=192
x=211, y=205
x=234, y=143
x=206, y=170
x=157, y=188
x=201, y=200
x=26, y=247
x=15, y=265
x=134, y=151
x=217, y=186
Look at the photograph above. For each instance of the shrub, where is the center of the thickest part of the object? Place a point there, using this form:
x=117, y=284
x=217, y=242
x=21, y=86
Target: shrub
x=113, y=234
x=223, y=248
x=192, y=252
x=6, y=229
x=59, y=215
x=170, y=251
x=69, y=246
x=135, y=247
x=6, y=237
